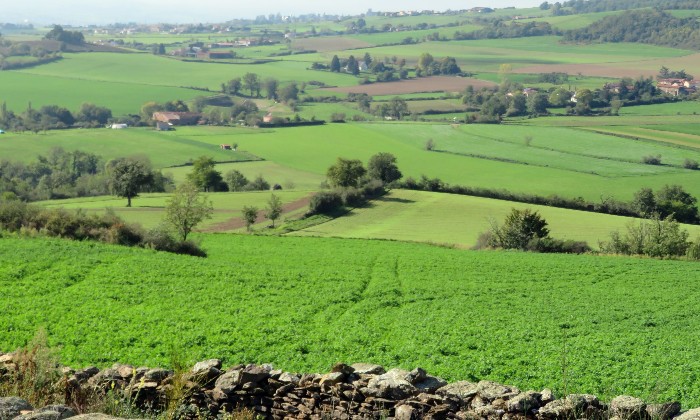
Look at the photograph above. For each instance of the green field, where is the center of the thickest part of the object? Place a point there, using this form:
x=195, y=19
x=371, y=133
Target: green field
x=577, y=162
x=148, y=210
x=418, y=216
x=163, y=148
x=602, y=325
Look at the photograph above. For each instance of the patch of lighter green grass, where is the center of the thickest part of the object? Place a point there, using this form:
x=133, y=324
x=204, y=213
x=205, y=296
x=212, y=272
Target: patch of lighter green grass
x=148, y=210
x=288, y=178
x=458, y=220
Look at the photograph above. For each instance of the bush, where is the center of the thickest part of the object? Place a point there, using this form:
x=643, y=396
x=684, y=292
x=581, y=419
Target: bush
x=659, y=238
x=693, y=252
x=189, y=248
x=352, y=197
x=652, y=160
x=373, y=188
x=559, y=246
x=518, y=229
x=691, y=164
x=325, y=202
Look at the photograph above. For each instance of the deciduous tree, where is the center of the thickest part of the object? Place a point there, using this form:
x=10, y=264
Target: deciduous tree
x=186, y=209
x=274, y=209
x=345, y=173
x=382, y=166
x=127, y=176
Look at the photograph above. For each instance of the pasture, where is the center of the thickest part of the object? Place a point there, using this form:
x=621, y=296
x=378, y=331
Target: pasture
x=575, y=162
x=148, y=210
x=602, y=325
x=455, y=220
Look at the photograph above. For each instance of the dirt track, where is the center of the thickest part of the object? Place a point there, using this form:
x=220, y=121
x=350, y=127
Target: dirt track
x=238, y=222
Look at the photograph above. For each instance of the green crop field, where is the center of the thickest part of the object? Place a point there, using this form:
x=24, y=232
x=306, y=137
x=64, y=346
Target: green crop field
x=585, y=324
x=419, y=216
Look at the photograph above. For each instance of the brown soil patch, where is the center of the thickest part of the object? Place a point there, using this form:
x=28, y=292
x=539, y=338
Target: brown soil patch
x=238, y=222
x=425, y=84
x=324, y=44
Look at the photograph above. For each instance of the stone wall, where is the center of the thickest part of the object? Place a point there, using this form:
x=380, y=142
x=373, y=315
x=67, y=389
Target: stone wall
x=360, y=391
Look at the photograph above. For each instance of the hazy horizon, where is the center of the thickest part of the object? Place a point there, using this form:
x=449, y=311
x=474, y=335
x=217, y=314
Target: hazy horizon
x=84, y=12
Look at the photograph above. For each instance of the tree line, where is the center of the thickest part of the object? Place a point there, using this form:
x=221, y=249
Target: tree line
x=50, y=117
x=67, y=174
x=647, y=26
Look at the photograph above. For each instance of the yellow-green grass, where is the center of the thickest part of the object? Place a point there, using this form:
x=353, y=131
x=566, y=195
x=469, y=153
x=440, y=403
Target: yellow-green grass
x=148, y=210
x=122, y=97
x=325, y=111
x=453, y=105
x=684, y=13
x=575, y=150
x=417, y=35
x=669, y=109
x=313, y=149
x=668, y=136
x=419, y=216
x=488, y=55
x=163, y=148
x=272, y=172
x=576, y=21
x=563, y=161
x=575, y=81
x=623, y=120
x=152, y=70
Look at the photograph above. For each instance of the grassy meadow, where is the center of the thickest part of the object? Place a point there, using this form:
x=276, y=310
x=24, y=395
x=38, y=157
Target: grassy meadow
x=602, y=325
x=578, y=163
x=455, y=220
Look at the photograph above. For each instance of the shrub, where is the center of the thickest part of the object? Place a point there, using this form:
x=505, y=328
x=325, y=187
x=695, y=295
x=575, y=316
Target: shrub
x=691, y=164
x=325, y=202
x=189, y=248
x=352, y=197
x=429, y=145
x=373, y=188
x=652, y=160
x=660, y=238
x=560, y=246
x=519, y=228
x=693, y=252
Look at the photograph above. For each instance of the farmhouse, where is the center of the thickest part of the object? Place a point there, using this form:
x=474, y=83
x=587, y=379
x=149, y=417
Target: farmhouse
x=177, y=118
x=119, y=126
x=677, y=87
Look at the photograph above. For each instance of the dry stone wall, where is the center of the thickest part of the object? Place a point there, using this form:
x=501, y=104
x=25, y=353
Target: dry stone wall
x=359, y=391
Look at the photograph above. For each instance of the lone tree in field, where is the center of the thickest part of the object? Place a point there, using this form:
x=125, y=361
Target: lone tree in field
x=518, y=229
x=127, y=176
x=382, y=166
x=235, y=180
x=274, y=209
x=345, y=173
x=204, y=176
x=250, y=215
x=186, y=209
